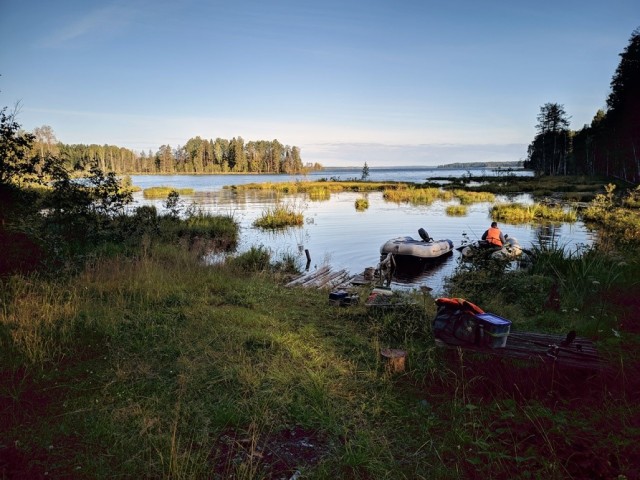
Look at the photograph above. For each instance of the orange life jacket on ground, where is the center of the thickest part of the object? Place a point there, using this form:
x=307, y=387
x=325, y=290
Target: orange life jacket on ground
x=493, y=236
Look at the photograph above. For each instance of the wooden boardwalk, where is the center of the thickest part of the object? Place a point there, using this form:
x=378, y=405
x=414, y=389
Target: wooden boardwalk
x=543, y=348
x=323, y=277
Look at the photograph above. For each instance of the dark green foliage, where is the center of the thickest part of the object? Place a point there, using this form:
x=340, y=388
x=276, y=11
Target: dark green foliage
x=73, y=219
x=610, y=145
x=173, y=203
x=16, y=163
x=196, y=156
x=365, y=172
x=548, y=153
x=256, y=259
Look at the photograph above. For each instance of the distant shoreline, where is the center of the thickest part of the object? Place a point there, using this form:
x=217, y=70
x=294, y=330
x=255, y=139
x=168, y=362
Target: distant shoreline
x=450, y=166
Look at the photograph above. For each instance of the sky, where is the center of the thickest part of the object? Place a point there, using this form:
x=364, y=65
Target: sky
x=387, y=82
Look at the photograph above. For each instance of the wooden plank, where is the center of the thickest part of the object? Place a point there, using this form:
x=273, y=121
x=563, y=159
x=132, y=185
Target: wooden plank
x=321, y=280
x=307, y=277
x=532, y=346
x=324, y=277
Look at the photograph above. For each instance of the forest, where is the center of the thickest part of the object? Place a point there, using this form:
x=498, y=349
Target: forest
x=610, y=145
x=196, y=156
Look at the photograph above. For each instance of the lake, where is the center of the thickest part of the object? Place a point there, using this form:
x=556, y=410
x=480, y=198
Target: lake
x=335, y=233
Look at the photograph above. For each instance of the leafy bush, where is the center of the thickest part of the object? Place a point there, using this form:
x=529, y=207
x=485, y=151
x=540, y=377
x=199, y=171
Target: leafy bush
x=256, y=259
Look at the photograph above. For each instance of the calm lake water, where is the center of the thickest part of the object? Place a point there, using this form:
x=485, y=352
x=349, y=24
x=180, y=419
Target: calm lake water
x=338, y=235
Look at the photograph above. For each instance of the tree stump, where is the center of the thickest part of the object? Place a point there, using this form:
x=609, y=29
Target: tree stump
x=395, y=359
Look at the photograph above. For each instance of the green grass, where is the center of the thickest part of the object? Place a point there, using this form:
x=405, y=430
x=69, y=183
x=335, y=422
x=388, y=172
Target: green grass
x=519, y=213
x=320, y=185
x=417, y=196
x=163, y=192
x=164, y=367
x=361, y=204
x=577, y=188
x=280, y=216
x=319, y=194
x=468, y=197
x=456, y=210
x=616, y=215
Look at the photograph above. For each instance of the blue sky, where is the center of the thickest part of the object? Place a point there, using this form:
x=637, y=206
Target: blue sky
x=387, y=82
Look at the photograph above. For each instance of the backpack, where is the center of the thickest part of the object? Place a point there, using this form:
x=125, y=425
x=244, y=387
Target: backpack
x=460, y=322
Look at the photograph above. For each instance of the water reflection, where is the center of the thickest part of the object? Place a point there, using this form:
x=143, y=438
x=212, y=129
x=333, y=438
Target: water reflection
x=418, y=271
x=334, y=232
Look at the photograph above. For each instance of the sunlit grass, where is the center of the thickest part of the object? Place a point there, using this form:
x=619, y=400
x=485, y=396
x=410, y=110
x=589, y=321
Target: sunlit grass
x=416, y=196
x=279, y=216
x=468, y=198
x=519, y=213
x=361, y=204
x=163, y=192
x=167, y=363
x=456, y=210
x=319, y=194
x=308, y=187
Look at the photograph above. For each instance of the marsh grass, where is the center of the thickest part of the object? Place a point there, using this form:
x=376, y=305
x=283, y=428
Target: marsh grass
x=163, y=192
x=319, y=194
x=280, y=215
x=456, y=210
x=361, y=204
x=621, y=217
x=567, y=187
x=320, y=185
x=418, y=196
x=467, y=197
x=519, y=213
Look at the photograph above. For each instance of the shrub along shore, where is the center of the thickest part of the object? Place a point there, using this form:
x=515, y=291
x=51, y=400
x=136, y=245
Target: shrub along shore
x=138, y=359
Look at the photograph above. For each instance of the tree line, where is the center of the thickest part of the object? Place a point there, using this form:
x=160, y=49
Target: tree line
x=196, y=156
x=610, y=145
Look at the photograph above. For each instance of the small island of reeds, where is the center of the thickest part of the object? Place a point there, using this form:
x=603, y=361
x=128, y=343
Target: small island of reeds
x=280, y=216
x=163, y=192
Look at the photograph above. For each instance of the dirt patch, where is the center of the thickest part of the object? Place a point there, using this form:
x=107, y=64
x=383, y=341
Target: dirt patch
x=278, y=455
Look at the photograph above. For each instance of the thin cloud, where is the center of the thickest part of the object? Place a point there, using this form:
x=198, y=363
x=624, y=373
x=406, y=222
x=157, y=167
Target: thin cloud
x=105, y=20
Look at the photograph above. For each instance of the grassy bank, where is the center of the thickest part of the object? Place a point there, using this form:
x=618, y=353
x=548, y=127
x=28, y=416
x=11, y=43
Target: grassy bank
x=573, y=188
x=162, y=367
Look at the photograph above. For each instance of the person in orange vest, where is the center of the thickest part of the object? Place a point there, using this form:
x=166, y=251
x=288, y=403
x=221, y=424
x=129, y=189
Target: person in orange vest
x=493, y=235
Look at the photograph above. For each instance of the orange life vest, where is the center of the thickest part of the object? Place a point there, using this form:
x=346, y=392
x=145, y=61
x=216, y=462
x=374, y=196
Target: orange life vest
x=493, y=236
x=460, y=303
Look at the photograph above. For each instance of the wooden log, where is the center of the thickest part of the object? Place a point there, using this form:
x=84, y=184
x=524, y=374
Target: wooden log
x=307, y=277
x=531, y=346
